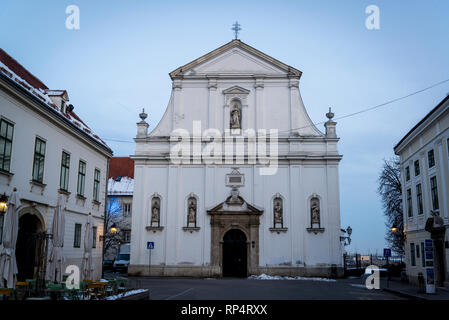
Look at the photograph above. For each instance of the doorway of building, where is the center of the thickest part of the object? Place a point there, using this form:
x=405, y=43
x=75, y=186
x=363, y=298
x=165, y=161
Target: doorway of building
x=234, y=254
x=28, y=247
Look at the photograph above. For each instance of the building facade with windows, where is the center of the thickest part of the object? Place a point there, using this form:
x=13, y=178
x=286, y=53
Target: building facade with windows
x=277, y=212
x=120, y=198
x=424, y=154
x=45, y=150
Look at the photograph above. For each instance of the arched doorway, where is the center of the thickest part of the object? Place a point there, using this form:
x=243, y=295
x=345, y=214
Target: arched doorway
x=234, y=254
x=29, y=246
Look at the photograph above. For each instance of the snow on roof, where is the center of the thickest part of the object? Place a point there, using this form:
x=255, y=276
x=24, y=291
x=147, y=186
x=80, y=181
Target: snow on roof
x=16, y=72
x=120, y=186
x=55, y=92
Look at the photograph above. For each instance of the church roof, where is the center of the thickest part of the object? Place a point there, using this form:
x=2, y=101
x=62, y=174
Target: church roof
x=232, y=44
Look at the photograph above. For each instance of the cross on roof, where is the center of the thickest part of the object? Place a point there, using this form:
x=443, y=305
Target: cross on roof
x=236, y=28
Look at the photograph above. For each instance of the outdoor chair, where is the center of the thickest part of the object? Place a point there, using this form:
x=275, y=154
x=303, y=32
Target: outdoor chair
x=96, y=290
x=6, y=293
x=121, y=285
x=56, y=290
x=22, y=290
x=31, y=283
x=111, y=288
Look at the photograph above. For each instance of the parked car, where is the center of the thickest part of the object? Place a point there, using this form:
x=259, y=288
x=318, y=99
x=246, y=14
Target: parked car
x=122, y=262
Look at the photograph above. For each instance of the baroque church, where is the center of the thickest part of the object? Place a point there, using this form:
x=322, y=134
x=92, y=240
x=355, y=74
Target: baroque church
x=213, y=211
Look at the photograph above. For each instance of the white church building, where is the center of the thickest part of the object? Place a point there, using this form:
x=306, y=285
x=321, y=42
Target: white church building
x=235, y=179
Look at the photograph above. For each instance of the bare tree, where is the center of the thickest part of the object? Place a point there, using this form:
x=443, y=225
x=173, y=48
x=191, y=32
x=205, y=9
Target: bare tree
x=390, y=190
x=113, y=216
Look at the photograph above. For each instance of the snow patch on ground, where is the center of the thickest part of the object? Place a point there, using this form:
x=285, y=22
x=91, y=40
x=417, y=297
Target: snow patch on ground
x=126, y=294
x=263, y=276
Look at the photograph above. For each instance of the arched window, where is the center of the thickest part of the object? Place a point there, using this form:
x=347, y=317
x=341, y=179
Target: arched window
x=191, y=211
x=235, y=117
x=278, y=213
x=155, y=211
x=315, y=219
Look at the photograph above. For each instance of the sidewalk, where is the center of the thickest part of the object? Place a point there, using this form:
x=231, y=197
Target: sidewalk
x=411, y=292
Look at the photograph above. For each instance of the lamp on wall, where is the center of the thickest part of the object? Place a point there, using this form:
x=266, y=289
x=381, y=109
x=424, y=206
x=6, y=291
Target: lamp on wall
x=3, y=204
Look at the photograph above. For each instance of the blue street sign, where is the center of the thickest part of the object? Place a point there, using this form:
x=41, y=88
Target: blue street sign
x=150, y=245
x=387, y=252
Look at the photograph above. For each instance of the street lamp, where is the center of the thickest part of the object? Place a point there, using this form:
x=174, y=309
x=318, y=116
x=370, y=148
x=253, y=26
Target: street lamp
x=3, y=204
x=394, y=229
x=349, y=231
x=113, y=228
x=348, y=238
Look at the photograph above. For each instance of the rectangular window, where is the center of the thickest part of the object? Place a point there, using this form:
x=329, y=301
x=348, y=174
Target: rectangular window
x=6, y=133
x=407, y=173
x=96, y=184
x=431, y=158
x=423, y=257
x=409, y=203
x=127, y=236
x=77, y=238
x=81, y=178
x=94, y=237
x=127, y=209
x=412, y=254
x=65, y=166
x=417, y=251
x=417, y=168
x=39, y=160
x=434, y=193
x=419, y=198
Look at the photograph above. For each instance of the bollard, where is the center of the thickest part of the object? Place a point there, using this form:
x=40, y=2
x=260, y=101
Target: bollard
x=421, y=283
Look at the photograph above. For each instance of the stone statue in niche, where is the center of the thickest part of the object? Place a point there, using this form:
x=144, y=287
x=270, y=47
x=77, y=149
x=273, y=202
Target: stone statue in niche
x=277, y=208
x=156, y=210
x=315, y=212
x=191, y=215
x=235, y=117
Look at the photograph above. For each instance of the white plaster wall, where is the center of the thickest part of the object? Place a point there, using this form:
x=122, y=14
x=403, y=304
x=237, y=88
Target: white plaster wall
x=27, y=125
x=173, y=246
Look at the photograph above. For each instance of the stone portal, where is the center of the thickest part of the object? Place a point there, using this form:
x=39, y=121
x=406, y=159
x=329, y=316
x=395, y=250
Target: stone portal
x=233, y=222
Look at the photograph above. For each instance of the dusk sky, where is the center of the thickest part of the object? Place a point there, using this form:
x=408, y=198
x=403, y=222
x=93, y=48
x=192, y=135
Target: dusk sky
x=118, y=62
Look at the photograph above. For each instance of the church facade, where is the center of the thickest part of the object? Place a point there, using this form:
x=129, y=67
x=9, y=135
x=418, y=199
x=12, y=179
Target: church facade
x=235, y=179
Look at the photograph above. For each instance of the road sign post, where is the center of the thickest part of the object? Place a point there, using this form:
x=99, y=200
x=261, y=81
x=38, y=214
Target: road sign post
x=150, y=247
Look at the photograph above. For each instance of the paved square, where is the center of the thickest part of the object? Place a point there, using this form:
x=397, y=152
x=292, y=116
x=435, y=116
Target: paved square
x=246, y=289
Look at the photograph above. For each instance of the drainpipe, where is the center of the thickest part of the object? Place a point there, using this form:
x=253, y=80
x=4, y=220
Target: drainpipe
x=104, y=217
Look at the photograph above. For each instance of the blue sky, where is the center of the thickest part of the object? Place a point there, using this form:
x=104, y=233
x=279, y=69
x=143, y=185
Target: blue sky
x=119, y=59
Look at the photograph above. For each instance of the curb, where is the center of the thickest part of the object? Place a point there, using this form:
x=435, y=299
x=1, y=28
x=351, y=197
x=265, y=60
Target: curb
x=405, y=294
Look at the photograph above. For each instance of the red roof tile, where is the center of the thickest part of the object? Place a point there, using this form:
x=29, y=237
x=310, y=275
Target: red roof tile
x=121, y=167
x=18, y=69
